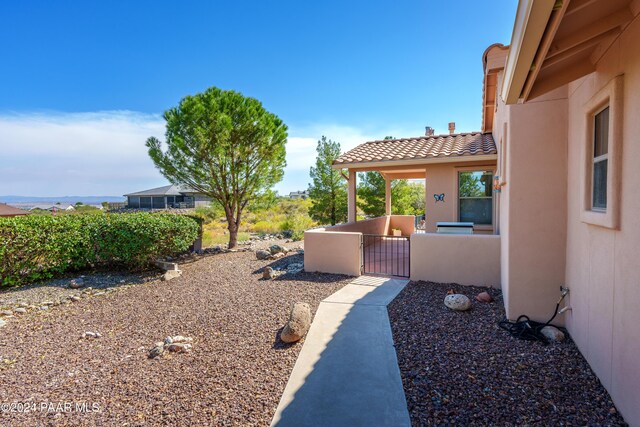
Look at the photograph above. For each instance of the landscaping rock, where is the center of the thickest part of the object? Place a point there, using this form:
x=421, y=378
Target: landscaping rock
x=168, y=340
x=457, y=302
x=553, y=334
x=298, y=324
x=20, y=310
x=263, y=255
x=179, y=347
x=48, y=303
x=278, y=249
x=92, y=334
x=74, y=298
x=171, y=274
x=23, y=305
x=484, y=297
x=43, y=307
x=2, y=323
x=166, y=266
x=6, y=313
x=76, y=283
x=277, y=255
x=157, y=350
x=181, y=339
x=268, y=273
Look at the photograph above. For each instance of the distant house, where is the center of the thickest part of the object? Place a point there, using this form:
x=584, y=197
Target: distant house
x=10, y=211
x=53, y=208
x=169, y=196
x=299, y=194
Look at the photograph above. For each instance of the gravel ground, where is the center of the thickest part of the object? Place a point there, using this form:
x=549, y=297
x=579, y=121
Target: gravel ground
x=459, y=368
x=234, y=375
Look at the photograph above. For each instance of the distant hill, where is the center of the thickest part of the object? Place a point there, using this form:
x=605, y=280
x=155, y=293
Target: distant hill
x=72, y=200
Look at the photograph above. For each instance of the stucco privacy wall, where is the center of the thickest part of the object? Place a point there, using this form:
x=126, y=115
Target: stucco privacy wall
x=441, y=258
x=602, y=264
x=332, y=252
x=405, y=223
x=378, y=225
x=533, y=203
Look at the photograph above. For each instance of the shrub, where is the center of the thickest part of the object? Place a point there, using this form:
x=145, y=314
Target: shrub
x=39, y=247
x=295, y=225
x=265, y=227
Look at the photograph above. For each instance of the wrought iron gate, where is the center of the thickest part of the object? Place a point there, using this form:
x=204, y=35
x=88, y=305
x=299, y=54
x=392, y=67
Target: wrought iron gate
x=387, y=255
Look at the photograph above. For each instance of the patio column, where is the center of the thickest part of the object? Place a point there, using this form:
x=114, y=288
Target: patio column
x=351, y=203
x=387, y=196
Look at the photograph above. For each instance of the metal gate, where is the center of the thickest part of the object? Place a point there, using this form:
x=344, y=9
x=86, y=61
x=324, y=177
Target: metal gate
x=387, y=255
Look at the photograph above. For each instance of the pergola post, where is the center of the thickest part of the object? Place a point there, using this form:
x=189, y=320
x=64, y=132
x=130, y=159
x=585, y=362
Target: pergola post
x=351, y=203
x=387, y=195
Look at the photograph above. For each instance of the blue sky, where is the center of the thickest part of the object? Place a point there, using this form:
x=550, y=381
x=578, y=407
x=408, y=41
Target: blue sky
x=83, y=83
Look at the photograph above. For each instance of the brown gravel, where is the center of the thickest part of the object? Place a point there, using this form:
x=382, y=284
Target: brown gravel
x=459, y=368
x=234, y=375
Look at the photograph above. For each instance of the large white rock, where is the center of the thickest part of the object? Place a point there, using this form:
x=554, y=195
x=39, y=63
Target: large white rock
x=552, y=333
x=457, y=302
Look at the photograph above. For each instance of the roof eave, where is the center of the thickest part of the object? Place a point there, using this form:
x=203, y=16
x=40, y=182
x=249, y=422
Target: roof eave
x=412, y=162
x=531, y=21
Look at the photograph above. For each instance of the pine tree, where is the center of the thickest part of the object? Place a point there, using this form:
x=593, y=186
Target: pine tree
x=328, y=192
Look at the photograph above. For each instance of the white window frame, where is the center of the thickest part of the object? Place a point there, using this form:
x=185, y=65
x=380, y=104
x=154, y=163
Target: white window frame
x=609, y=96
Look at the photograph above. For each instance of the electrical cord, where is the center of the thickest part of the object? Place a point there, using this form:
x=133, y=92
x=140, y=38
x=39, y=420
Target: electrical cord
x=526, y=329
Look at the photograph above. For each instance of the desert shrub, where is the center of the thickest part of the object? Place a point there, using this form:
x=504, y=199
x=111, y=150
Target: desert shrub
x=39, y=247
x=265, y=227
x=296, y=224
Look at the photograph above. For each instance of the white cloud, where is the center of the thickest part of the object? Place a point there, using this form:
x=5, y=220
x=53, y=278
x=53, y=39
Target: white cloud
x=103, y=153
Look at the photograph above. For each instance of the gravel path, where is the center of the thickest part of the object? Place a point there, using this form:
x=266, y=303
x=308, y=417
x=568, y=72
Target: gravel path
x=234, y=375
x=459, y=368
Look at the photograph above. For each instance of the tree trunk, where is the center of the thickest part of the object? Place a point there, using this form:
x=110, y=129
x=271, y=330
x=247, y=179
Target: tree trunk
x=233, y=234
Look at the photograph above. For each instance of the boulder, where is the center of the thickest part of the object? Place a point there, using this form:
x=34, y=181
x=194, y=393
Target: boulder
x=277, y=249
x=298, y=324
x=20, y=310
x=484, y=297
x=277, y=255
x=262, y=254
x=552, y=333
x=171, y=274
x=267, y=273
x=457, y=302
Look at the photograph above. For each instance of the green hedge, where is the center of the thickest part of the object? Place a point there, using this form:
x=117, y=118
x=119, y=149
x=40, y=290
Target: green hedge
x=39, y=247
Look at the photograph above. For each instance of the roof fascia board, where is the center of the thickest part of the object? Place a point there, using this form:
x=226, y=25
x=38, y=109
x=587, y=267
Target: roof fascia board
x=531, y=21
x=360, y=165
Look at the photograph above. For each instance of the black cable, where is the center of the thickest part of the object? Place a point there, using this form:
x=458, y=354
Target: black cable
x=526, y=329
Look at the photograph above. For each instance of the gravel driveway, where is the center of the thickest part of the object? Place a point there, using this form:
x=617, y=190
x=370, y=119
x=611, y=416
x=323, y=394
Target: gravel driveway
x=459, y=368
x=234, y=375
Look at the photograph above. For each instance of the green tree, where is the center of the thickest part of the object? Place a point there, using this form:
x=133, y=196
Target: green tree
x=371, y=192
x=224, y=145
x=328, y=192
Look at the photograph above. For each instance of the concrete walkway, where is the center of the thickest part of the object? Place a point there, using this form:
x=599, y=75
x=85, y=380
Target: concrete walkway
x=347, y=372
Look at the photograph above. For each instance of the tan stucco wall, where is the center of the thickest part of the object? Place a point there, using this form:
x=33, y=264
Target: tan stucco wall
x=544, y=241
x=332, y=252
x=602, y=265
x=377, y=225
x=533, y=203
x=449, y=258
x=406, y=224
x=443, y=178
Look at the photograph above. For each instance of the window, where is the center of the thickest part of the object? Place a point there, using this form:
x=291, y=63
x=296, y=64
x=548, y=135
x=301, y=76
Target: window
x=475, y=193
x=602, y=150
x=600, y=160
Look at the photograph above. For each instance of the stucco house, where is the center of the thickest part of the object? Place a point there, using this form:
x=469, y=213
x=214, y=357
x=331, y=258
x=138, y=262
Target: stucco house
x=558, y=144
x=169, y=196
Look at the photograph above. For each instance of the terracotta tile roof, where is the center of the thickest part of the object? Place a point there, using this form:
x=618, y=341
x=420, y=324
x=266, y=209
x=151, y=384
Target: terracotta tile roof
x=422, y=147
